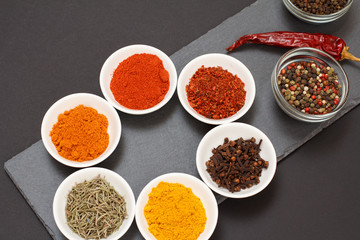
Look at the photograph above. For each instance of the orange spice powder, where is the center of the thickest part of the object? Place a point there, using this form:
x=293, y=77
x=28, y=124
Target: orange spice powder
x=80, y=134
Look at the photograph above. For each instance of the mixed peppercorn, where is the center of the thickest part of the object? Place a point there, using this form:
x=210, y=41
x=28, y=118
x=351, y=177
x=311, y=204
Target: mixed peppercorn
x=309, y=87
x=215, y=92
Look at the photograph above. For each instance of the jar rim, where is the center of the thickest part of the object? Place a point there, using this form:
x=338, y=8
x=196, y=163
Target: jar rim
x=316, y=18
x=290, y=110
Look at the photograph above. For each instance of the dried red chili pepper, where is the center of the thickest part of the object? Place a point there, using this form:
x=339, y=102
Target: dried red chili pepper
x=215, y=93
x=330, y=44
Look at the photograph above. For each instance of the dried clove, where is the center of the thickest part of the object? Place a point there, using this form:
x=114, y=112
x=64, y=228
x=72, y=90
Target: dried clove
x=236, y=164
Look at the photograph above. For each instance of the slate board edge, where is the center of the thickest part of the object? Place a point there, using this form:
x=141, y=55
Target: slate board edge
x=213, y=29
x=24, y=195
x=350, y=105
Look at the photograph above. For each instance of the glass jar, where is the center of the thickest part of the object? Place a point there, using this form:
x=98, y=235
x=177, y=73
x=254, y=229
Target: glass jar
x=319, y=57
x=316, y=18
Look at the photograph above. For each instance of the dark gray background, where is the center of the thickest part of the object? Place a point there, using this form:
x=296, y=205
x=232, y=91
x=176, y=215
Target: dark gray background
x=50, y=50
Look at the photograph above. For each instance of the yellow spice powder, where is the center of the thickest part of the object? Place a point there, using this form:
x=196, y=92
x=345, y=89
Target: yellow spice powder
x=174, y=212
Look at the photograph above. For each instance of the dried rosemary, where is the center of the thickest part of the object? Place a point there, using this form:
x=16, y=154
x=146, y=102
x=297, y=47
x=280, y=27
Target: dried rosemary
x=94, y=209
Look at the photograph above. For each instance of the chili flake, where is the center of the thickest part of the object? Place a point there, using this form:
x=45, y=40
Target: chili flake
x=215, y=92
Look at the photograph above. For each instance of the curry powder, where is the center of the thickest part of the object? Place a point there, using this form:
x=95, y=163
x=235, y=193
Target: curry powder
x=174, y=212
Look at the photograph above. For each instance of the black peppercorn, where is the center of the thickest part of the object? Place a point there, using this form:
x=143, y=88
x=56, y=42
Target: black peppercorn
x=320, y=7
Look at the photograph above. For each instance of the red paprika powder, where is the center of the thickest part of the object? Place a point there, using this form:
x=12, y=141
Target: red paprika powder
x=215, y=93
x=140, y=81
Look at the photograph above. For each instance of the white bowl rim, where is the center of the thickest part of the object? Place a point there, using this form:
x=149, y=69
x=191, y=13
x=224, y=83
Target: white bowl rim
x=154, y=182
x=223, y=191
x=71, y=179
x=139, y=48
x=48, y=143
x=250, y=87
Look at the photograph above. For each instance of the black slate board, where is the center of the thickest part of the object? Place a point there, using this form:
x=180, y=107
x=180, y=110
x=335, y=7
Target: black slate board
x=166, y=141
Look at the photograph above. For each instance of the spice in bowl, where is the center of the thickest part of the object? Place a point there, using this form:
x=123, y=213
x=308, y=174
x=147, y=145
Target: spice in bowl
x=173, y=211
x=236, y=164
x=310, y=87
x=215, y=93
x=80, y=134
x=140, y=81
x=320, y=7
x=94, y=209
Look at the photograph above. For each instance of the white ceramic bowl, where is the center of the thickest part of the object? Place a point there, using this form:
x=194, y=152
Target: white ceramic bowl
x=120, y=55
x=226, y=62
x=233, y=131
x=115, y=180
x=198, y=188
x=70, y=102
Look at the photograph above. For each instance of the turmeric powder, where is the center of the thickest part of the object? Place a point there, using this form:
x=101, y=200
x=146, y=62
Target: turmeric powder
x=174, y=212
x=80, y=134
